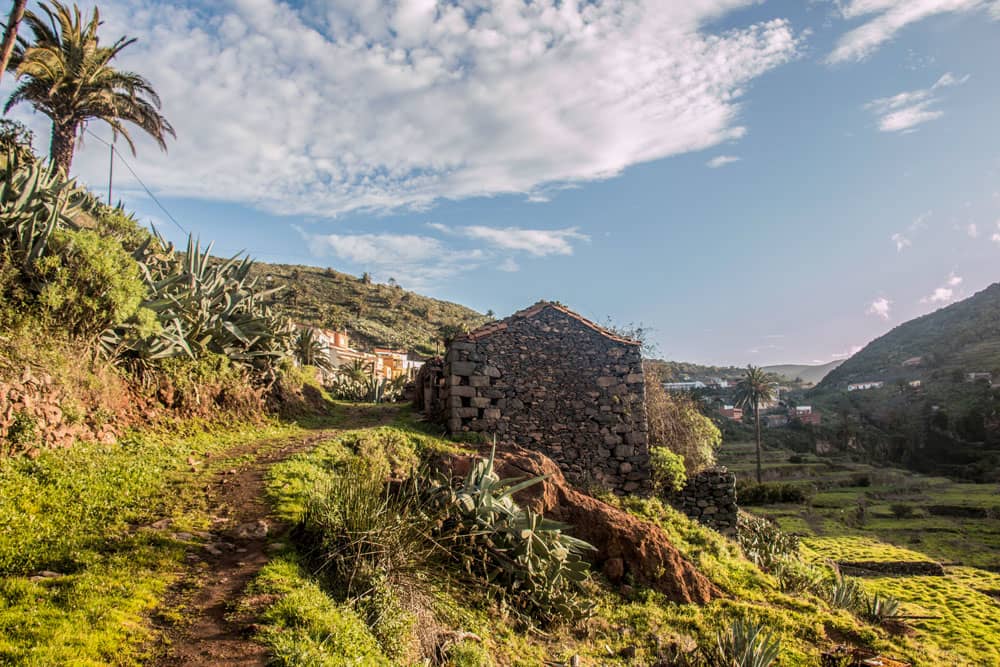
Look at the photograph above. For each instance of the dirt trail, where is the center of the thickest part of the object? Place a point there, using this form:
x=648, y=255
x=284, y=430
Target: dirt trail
x=233, y=553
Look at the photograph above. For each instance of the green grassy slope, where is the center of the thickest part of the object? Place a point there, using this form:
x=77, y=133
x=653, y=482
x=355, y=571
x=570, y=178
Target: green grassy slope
x=373, y=314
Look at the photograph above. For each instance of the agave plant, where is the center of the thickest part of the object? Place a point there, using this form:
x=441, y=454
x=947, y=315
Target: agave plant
x=880, y=608
x=536, y=566
x=203, y=305
x=35, y=200
x=744, y=644
x=845, y=593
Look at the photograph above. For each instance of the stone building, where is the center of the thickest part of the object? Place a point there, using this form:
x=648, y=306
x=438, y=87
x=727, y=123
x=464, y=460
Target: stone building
x=549, y=379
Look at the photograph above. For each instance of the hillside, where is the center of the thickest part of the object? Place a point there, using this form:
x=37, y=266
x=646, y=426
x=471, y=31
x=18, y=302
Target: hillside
x=807, y=373
x=374, y=314
x=961, y=338
x=679, y=371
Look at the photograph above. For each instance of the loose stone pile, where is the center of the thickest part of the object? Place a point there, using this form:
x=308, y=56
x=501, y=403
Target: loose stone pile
x=710, y=498
x=547, y=379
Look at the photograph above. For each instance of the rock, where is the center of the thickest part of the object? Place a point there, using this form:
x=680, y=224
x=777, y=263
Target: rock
x=213, y=549
x=183, y=537
x=254, y=530
x=614, y=569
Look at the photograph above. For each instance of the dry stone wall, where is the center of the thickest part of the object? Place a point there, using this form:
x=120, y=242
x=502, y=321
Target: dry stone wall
x=709, y=497
x=558, y=384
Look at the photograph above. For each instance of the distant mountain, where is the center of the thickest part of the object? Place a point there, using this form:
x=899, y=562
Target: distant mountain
x=809, y=374
x=373, y=314
x=944, y=345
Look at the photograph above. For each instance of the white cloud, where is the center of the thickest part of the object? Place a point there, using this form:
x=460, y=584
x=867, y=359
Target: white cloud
x=946, y=292
x=721, y=161
x=900, y=241
x=537, y=242
x=415, y=261
x=884, y=18
x=509, y=265
x=906, y=110
x=319, y=108
x=996, y=235
x=880, y=307
x=972, y=230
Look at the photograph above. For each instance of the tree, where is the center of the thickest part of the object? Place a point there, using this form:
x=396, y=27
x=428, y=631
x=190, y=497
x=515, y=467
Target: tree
x=10, y=33
x=66, y=74
x=754, y=388
x=676, y=423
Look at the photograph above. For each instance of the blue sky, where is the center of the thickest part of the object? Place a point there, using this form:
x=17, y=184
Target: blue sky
x=768, y=182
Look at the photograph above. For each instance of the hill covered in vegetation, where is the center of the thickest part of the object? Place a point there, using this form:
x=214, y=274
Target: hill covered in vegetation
x=374, y=314
x=936, y=409
x=944, y=345
x=808, y=374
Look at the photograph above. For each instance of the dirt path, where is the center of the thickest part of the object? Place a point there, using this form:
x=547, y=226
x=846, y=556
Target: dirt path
x=200, y=630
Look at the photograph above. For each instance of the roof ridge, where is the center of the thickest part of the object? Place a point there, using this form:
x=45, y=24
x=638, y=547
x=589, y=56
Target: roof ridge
x=536, y=308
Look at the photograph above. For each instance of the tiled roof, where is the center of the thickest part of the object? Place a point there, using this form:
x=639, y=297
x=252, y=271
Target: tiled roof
x=493, y=327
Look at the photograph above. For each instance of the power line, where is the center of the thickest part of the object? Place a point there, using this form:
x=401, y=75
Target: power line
x=136, y=176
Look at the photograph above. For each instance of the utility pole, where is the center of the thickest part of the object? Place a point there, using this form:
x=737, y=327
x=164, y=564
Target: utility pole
x=111, y=170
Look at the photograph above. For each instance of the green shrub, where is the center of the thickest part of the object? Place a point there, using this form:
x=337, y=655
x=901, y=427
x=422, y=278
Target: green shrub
x=88, y=282
x=902, y=510
x=468, y=654
x=770, y=493
x=668, y=469
x=795, y=576
x=22, y=432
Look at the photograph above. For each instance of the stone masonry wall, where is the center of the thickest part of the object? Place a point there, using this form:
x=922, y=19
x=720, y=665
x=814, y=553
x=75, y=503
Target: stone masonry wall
x=710, y=498
x=554, y=383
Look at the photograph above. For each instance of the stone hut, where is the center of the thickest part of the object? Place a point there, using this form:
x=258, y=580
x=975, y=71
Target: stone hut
x=548, y=379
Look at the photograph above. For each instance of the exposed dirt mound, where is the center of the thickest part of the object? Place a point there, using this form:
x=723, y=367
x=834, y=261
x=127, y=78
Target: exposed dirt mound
x=625, y=544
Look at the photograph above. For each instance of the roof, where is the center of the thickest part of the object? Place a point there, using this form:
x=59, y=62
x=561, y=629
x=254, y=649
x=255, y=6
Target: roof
x=493, y=327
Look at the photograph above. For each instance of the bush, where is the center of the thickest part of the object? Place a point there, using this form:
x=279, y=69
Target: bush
x=668, y=469
x=22, y=432
x=88, y=282
x=902, y=510
x=770, y=493
x=675, y=422
x=467, y=654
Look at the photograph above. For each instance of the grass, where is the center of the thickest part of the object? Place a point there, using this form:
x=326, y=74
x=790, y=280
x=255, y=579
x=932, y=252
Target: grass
x=964, y=602
x=78, y=513
x=639, y=627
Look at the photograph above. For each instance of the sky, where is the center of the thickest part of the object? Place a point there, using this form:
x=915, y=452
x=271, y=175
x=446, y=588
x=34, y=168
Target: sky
x=752, y=182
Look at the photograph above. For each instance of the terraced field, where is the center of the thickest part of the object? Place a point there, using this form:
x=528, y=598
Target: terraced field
x=858, y=512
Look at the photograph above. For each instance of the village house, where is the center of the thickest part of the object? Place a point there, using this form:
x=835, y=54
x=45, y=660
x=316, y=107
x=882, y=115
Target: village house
x=862, y=386
x=804, y=414
x=381, y=362
x=977, y=377
x=684, y=386
x=731, y=412
x=548, y=379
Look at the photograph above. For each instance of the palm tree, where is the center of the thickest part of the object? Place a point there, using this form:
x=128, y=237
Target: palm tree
x=754, y=388
x=65, y=74
x=309, y=351
x=10, y=33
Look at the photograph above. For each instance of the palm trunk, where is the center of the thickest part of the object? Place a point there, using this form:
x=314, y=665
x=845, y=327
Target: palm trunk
x=63, y=144
x=10, y=33
x=756, y=419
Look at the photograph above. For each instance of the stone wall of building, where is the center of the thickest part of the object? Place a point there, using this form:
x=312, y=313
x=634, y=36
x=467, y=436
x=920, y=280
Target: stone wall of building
x=549, y=380
x=710, y=498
